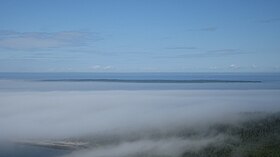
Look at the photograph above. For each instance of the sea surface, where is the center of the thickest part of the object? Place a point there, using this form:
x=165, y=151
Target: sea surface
x=136, y=81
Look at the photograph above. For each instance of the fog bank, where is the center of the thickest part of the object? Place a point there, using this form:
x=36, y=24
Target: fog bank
x=126, y=123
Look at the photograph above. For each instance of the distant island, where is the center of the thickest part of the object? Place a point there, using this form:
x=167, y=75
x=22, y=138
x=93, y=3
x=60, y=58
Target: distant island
x=151, y=81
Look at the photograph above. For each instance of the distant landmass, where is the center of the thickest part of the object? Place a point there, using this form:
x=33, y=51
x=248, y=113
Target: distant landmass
x=152, y=81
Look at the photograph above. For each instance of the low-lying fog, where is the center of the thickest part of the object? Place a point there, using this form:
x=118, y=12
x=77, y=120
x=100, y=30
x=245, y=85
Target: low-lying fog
x=128, y=123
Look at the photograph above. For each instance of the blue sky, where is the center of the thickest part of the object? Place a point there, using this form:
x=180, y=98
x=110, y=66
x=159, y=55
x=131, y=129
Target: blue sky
x=140, y=36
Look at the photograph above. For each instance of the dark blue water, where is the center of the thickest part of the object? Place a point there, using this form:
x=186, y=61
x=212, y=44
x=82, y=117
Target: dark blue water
x=12, y=150
x=137, y=81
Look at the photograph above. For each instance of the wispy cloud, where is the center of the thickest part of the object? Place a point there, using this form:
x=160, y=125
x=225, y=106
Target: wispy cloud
x=150, y=147
x=44, y=40
x=101, y=68
x=181, y=48
x=269, y=20
x=234, y=66
x=221, y=52
x=225, y=51
x=209, y=53
x=205, y=29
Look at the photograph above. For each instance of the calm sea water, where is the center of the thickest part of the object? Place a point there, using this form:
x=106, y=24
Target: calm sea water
x=136, y=81
x=29, y=151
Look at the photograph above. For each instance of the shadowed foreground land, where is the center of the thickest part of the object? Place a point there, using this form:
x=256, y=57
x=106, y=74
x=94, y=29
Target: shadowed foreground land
x=254, y=138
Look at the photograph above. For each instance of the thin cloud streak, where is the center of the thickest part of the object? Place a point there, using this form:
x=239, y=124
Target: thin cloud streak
x=44, y=40
x=209, y=53
x=269, y=20
x=205, y=29
x=181, y=48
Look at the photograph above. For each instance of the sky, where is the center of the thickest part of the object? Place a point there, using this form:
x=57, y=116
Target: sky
x=140, y=36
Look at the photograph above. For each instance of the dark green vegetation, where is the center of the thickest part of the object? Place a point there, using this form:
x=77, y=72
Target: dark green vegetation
x=254, y=138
